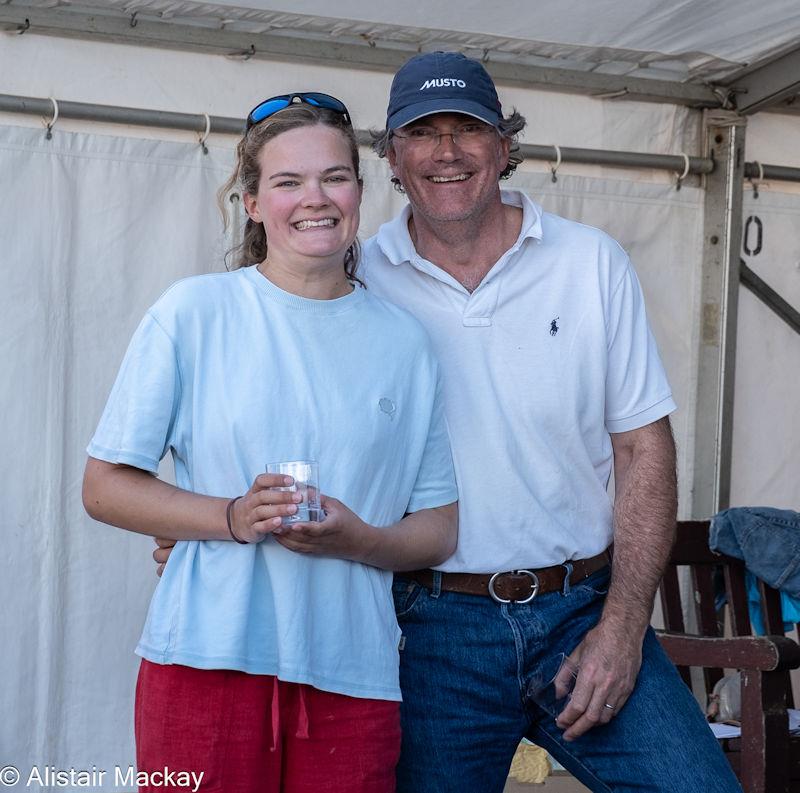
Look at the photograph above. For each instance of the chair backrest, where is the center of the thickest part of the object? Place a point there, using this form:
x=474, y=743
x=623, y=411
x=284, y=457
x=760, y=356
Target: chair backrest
x=718, y=584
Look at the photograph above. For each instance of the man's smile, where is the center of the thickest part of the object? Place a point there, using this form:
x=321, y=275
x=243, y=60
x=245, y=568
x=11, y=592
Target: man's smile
x=459, y=177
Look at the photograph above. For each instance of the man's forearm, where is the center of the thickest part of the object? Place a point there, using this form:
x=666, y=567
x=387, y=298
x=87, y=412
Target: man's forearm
x=645, y=509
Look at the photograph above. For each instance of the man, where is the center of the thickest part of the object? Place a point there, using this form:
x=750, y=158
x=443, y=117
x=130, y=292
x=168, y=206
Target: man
x=551, y=376
x=550, y=373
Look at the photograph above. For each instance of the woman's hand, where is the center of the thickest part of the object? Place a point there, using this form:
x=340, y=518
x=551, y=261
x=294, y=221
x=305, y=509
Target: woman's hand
x=259, y=511
x=421, y=539
x=342, y=534
x=133, y=499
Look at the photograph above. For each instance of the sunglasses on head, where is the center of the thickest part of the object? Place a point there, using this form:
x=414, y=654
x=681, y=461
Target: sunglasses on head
x=269, y=107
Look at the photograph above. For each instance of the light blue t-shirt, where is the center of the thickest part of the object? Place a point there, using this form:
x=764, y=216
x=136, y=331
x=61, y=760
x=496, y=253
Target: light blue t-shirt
x=229, y=372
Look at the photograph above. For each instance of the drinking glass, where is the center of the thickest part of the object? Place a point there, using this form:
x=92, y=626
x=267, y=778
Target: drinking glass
x=553, y=686
x=306, y=482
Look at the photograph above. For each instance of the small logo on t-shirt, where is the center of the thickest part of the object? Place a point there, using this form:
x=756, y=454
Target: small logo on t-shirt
x=553, y=327
x=387, y=406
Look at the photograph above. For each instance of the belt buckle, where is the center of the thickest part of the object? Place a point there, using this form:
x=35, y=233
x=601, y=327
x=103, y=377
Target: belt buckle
x=534, y=587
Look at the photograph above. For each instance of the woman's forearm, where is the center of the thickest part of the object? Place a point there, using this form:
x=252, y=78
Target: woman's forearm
x=422, y=539
x=133, y=499
x=136, y=500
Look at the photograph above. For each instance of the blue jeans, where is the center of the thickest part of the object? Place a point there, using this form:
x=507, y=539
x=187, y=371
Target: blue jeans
x=467, y=665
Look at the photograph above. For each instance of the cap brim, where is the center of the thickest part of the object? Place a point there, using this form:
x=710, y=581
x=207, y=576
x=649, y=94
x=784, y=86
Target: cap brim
x=421, y=109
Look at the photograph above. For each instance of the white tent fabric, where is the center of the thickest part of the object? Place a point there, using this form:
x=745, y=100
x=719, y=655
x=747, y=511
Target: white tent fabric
x=189, y=82
x=766, y=454
x=677, y=40
x=94, y=228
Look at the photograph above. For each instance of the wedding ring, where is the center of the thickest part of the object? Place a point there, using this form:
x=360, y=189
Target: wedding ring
x=610, y=707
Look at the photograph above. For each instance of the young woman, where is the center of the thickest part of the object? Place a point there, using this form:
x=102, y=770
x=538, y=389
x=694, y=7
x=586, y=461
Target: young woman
x=270, y=653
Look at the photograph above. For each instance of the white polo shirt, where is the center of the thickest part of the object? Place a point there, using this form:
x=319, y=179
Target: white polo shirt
x=550, y=354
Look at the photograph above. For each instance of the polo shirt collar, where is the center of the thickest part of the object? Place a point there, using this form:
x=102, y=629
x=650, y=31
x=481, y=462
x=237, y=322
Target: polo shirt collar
x=395, y=242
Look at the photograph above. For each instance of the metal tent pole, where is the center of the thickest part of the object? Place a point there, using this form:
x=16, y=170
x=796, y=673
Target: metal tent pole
x=619, y=159
x=722, y=240
x=84, y=111
x=196, y=122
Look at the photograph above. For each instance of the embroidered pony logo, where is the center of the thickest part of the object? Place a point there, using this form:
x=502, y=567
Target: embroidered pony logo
x=553, y=327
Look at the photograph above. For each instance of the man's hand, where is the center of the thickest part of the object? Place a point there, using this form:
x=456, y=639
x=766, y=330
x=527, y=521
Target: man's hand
x=608, y=663
x=645, y=505
x=342, y=534
x=161, y=554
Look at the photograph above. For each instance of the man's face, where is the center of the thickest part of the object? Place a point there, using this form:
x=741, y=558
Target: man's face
x=447, y=180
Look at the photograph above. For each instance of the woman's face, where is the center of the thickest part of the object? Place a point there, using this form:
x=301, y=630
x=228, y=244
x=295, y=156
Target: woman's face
x=308, y=196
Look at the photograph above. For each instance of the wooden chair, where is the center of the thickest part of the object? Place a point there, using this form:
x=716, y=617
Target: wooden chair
x=766, y=758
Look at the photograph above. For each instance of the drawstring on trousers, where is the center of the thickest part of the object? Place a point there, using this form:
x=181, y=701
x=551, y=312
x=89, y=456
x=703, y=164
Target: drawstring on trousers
x=303, y=720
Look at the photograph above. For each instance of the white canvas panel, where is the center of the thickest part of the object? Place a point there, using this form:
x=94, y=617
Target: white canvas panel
x=171, y=80
x=734, y=30
x=672, y=40
x=93, y=230
x=774, y=139
x=766, y=452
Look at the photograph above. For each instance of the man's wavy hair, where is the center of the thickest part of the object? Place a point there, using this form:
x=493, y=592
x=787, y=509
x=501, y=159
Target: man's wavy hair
x=509, y=127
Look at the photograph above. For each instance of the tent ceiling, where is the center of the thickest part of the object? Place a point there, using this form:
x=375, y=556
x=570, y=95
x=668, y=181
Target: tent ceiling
x=597, y=46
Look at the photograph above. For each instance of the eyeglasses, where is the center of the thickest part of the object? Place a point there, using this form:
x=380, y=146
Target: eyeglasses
x=428, y=138
x=269, y=107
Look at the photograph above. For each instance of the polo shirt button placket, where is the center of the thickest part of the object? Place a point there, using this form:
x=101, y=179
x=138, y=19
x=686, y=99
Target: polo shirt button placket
x=480, y=306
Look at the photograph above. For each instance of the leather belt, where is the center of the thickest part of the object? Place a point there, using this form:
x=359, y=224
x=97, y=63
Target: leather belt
x=514, y=586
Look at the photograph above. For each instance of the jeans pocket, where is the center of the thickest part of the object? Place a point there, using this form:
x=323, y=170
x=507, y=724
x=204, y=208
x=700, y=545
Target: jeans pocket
x=405, y=594
x=595, y=584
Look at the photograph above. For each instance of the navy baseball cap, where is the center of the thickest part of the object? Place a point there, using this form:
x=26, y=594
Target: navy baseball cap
x=442, y=82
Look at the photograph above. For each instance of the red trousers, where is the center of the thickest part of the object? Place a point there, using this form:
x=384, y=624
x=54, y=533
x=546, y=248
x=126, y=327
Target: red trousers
x=257, y=734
